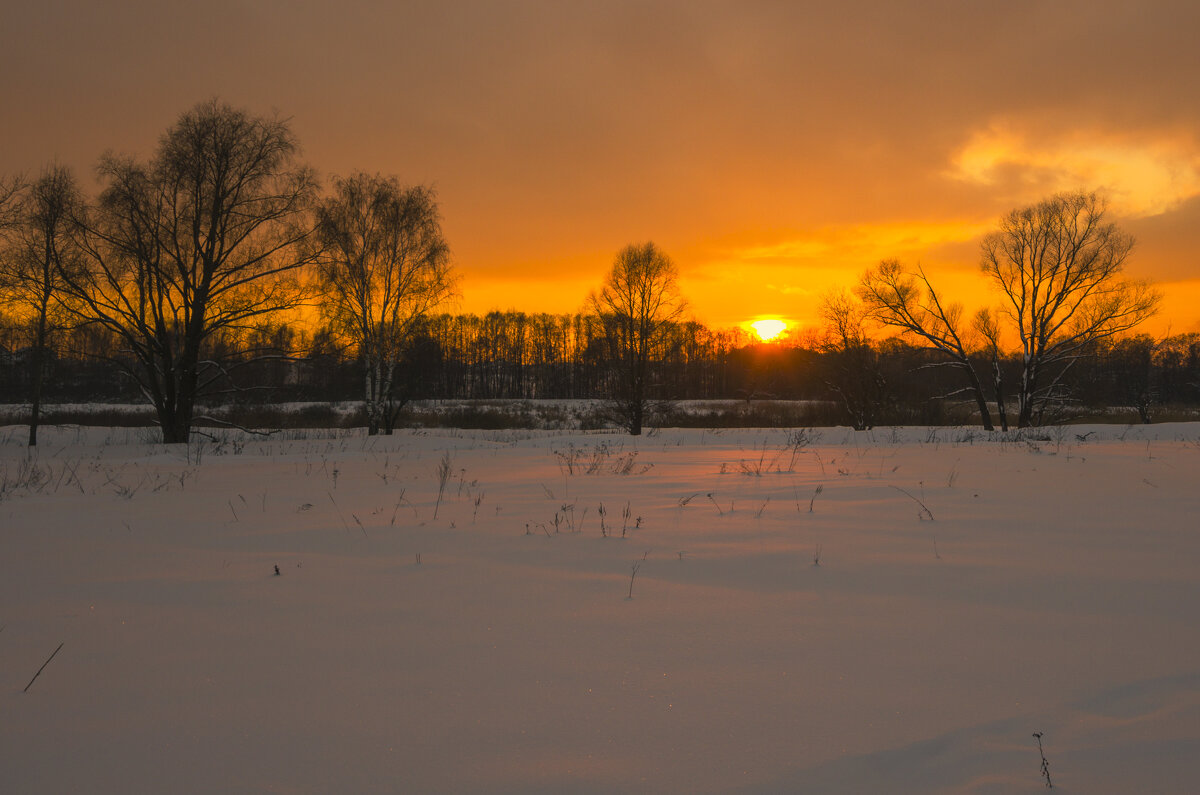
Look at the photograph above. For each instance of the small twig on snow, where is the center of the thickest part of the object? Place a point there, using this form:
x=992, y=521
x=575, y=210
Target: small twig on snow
x=51, y=657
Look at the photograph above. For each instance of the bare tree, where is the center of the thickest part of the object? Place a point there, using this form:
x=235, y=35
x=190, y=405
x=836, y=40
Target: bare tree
x=894, y=297
x=638, y=303
x=202, y=239
x=41, y=250
x=11, y=207
x=1132, y=361
x=10, y=189
x=1059, y=267
x=987, y=324
x=384, y=266
x=851, y=363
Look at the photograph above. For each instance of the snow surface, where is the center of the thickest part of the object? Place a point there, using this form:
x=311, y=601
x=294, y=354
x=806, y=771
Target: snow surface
x=1055, y=589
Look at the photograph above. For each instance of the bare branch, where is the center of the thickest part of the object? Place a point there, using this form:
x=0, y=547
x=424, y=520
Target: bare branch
x=633, y=311
x=203, y=239
x=383, y=265
x=1058, y=265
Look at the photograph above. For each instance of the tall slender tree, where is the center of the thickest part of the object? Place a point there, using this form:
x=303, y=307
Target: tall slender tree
x=40, y=254
x=384, y=265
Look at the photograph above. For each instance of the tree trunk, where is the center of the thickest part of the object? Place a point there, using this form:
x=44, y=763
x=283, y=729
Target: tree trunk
x=371, y=395
x=1025, y=398
x=1025, y=406
x=637, y=402
x=176, y=406
x=37, y=373
x=985, y=416
x=176, y=424
x=998, y=386
x=391, y=413
x=372, y=417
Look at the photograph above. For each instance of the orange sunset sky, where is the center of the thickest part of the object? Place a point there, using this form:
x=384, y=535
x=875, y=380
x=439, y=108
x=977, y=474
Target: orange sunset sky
x=775, y=150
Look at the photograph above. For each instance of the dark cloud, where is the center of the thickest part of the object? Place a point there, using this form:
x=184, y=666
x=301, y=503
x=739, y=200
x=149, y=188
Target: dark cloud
x=558, y=131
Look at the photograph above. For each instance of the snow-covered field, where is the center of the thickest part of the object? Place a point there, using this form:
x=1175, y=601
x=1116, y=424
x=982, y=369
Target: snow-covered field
x=970, y=592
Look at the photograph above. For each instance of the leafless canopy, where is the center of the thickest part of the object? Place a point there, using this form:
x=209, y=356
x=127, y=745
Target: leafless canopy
x=40, y=252
x=638, y=303
x=906, y=301
x=384, y=266
x=201, y=239
x=1059, y=267
x=10, y=188
x=851, y=363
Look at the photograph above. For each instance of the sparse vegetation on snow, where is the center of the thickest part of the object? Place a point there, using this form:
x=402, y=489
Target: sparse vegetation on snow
x=436, y=611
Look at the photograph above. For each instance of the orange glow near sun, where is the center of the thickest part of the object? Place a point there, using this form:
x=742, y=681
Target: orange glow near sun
x=768, y=328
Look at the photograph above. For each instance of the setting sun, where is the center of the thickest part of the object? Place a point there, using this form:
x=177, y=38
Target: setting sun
x=769, y=328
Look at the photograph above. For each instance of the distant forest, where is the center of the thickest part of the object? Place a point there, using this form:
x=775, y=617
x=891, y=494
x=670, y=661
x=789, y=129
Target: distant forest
x=513, y=355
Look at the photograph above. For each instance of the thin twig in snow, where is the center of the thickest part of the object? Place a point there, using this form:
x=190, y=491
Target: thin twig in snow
x=39, y=671
x=925, y=513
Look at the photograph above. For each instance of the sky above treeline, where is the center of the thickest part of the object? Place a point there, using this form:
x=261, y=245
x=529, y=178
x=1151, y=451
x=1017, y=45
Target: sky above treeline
x=774, y=149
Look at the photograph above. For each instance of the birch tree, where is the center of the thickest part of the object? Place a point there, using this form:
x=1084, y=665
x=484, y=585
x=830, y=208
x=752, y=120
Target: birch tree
x=1059, y=267
x=41, y=249
x=384, y=266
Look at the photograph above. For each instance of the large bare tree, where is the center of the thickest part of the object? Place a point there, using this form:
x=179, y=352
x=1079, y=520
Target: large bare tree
x=635, y=308
x=203, y=239
x=893, y=296
x=41, y=250
x=384, y=265
x=1059, y=266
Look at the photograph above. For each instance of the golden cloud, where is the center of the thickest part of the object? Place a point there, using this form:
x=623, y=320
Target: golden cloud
x=864, y=244
x=1141, y=177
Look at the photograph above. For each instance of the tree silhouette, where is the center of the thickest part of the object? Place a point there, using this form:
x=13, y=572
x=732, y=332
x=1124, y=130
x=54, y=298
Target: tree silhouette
x=202, y=239
x=384, y=266
x=1058, y=266
x=894, y=297
x=639, y=301
x=42, y=252
x=851, y=364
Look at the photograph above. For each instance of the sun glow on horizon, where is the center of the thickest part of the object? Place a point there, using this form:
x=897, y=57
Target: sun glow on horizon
x=768, y=329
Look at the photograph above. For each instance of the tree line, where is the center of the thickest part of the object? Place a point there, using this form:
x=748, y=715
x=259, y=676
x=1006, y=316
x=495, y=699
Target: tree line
x=515, y=355
x=183, y=282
